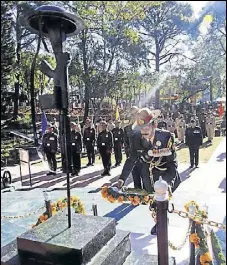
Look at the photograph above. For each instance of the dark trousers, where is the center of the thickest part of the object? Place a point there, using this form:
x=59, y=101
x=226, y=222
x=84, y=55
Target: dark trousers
x=76, y=161
x=194, y=155
x=90, y=153
x=118, y=153
x=106, y=159
x=51, y=159
x=141, y=176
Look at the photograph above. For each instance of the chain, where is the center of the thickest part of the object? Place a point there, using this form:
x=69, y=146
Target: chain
x=22, y=216
x=171, y=245
x=199, y=219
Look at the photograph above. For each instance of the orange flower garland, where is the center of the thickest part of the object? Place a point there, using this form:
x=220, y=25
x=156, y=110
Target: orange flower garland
x=60, y=205
x=195, y=240
x=205, y=258
x=115, y=197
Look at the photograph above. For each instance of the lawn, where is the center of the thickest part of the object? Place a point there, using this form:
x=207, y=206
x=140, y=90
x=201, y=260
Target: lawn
x=205, y=152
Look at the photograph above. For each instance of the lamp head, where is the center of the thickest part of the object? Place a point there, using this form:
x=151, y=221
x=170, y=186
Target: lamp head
x=52, y=16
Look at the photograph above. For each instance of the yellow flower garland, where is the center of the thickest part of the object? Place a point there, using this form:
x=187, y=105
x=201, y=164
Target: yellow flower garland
x=75, y=203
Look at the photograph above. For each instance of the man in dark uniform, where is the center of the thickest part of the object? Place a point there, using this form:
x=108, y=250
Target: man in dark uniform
x=128, y=130
x=89, y=142
x=50, y=146
x=194, y=139
x=118, y=138
x=76, y=143
x=105, y=145
x=155, y=147
x=161, y=123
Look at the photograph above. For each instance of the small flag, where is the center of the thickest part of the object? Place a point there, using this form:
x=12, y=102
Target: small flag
x=208, y=19
x=44, y=122
x=117, y=115
x=220, y=110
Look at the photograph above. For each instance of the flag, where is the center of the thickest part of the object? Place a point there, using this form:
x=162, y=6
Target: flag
x=44, y=122
x=220, y=110
x=117, y=115
x=208, y=19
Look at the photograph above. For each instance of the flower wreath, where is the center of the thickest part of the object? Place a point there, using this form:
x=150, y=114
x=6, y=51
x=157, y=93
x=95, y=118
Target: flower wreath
x=75, y=203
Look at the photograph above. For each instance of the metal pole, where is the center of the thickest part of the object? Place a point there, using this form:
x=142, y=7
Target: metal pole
x=161, y=198
x=192, y=246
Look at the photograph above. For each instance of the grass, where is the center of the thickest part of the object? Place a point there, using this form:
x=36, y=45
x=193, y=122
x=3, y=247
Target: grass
x=205, y=151
x=182, y=154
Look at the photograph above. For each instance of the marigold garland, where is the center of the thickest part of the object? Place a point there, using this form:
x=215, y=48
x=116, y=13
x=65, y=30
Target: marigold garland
x=75, y=203
x=195, y=239
x=205, y=258
x=135, y=198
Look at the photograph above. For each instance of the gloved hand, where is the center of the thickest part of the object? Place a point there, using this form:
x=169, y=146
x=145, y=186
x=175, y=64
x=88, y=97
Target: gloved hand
x=120, y=184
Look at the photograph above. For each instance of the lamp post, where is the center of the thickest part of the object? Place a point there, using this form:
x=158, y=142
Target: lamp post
x=57, y=24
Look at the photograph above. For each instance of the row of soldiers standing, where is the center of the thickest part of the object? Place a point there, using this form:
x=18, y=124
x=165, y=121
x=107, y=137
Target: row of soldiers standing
x=178, y=126
x=106, y=142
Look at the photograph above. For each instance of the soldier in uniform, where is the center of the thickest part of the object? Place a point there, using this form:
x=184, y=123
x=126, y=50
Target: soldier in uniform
x=181, y=127
x=194, y=139
x=161, y=123
x=105, y=145
x=128, y=130
x=118, y=139
x=210, y=126
x=171, y=125
x=55, y=126
x=50, y=146
x=110, y=125
x=156, y=148
x=202, y=121
x=89, y=142
x=76, y=143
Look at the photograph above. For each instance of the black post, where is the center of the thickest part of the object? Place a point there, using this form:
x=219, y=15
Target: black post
x=48, y=208
x=192, y=246
x=162, y=232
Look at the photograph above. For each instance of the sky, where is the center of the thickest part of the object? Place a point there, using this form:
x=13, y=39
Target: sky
x=196, y=5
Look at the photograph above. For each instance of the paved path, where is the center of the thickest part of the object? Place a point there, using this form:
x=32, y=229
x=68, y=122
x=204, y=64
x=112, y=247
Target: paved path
x=204, y=185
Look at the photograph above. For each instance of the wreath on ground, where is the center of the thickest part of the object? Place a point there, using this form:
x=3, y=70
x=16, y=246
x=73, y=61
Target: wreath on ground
x=75, y=203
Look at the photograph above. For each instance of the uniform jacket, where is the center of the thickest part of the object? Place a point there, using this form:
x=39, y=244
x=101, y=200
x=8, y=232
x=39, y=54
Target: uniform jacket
x=161, y=155
x=89, y=136
x=193, y=136
x=118, y=136
x=210, y=120
x=128, y=132
x=105, y=140
x=76, y=141
x=50, y=142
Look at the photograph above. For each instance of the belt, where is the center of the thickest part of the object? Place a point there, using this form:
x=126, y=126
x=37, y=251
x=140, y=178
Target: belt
x=209, y=123
x=181, y=126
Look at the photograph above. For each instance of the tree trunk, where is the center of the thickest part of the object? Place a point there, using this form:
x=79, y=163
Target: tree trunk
x=33, y=95
x=157, y=66
x=86, y=78
x=17, y=83
x=211, y=89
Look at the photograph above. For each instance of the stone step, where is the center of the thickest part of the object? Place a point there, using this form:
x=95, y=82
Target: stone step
x=55, y=243
x=145, y=259
x=115, y=252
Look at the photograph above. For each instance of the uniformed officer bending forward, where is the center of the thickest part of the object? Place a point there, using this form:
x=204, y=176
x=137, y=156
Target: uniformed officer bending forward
x=194, y=139
x=105, y=145
x=76, y=143
x=50, y=146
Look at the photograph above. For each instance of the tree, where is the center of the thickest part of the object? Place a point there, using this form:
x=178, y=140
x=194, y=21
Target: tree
x=163, y=28
x=7, y=46
x=106, y=45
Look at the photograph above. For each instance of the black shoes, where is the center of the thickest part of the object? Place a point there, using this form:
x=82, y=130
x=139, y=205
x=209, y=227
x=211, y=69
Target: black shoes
x=105, y=173
x=191, y=166
x=51, y=174
x=89, y=164
x=154, y=230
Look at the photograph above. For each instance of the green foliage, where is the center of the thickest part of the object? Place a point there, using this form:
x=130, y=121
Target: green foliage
x=7, y=45
x=219, y=256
